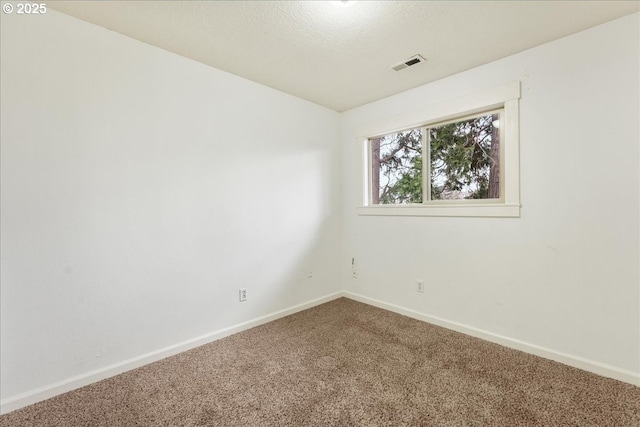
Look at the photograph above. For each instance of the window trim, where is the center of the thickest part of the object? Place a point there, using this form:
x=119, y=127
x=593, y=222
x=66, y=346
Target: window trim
x=504, y=97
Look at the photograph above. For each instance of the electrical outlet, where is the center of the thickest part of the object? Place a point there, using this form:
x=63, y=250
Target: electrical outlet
x=242, y=294
x=420, y=284
x=310, y=275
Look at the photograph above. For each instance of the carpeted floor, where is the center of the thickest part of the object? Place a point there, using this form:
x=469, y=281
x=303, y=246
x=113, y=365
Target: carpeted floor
x=344, y=364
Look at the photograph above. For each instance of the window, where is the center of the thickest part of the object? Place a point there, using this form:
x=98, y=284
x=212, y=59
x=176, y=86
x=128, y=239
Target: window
x=462, y=162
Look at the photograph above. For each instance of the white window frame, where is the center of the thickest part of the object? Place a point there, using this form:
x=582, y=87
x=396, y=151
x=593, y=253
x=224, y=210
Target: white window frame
x=504, y=98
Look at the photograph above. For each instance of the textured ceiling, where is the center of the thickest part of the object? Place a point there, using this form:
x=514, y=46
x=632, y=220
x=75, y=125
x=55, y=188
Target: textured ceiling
x=340, y=56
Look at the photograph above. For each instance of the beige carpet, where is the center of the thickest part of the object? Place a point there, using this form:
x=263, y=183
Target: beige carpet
x=341, y=364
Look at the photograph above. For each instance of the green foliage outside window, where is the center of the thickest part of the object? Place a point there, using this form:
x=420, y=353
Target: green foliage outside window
x=464, y=162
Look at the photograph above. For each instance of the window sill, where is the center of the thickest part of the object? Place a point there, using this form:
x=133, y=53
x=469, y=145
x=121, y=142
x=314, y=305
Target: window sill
x=498, y=210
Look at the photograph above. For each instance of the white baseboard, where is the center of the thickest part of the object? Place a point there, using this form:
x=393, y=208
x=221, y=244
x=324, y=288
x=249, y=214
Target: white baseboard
x=567, y=359
x=33, y=396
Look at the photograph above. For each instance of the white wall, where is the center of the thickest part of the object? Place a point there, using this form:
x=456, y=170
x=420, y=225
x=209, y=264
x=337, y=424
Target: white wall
x=565, y=276
x=140, y=190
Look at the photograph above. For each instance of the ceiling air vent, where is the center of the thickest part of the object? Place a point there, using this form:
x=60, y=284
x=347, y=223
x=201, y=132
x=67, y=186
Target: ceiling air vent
x=415, y=59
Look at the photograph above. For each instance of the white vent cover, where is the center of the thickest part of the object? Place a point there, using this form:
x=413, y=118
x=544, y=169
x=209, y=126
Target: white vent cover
x=415, y=59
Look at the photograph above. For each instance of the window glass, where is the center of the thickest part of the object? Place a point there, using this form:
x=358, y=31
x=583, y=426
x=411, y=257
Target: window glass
x=464, y=162
x=465, y=159
x=396, y=169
